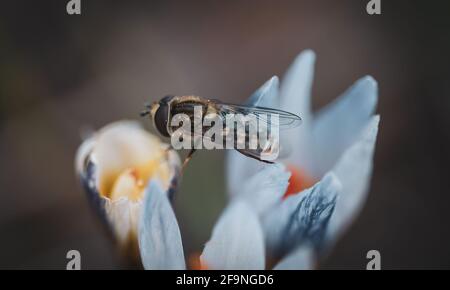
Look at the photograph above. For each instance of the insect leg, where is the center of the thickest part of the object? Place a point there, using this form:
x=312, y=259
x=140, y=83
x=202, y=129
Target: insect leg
x=188, y=158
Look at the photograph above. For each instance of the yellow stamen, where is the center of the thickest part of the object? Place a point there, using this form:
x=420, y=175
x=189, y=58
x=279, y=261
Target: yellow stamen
x=131, y=182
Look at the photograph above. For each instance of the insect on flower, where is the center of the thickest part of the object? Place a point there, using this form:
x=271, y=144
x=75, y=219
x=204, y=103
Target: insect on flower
x=252, y=131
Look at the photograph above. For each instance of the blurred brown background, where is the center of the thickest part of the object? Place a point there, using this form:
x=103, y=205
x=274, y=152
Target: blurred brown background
x=62, y=75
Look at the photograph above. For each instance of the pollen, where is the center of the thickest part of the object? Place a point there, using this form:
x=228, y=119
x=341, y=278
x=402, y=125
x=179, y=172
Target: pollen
x=298, y=181
x=127, y=185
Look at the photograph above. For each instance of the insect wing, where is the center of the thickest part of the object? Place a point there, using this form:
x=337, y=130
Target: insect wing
x=286, y=120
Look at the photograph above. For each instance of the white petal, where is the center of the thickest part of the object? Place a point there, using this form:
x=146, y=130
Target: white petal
x=239, y=167
x=82, y=154
x=266, y=188
x=300, y=259
x=354, y=170
x=237, y=241
x=302, y=218
x=159, y=235
x=340, y=123
x=123, y=217
x=295, y=95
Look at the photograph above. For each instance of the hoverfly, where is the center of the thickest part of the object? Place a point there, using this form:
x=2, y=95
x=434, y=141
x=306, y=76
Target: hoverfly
x=162, y=112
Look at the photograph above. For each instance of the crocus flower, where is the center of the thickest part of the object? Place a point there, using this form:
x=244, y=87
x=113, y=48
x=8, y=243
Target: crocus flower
x=238, y=239
x=330, y=166
x=116, y=166
x=258, y=223
x=280, y=216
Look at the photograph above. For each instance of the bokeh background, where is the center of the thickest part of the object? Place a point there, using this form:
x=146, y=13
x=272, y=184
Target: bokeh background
x=61, y=76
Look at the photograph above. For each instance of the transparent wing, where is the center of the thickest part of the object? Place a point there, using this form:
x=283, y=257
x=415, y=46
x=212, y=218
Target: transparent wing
x=286, y=120
x=269, y=152
x=267, y=149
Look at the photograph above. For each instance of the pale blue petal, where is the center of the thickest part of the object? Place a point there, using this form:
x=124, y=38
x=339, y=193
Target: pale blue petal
x=295, y=93
x=301, y=219
x=354, y=170
x=266, y=188
x=339, y=124
x=296, y=86
x=266, y=95
x=159, y=235
x=237, y=241
x=300, y=259
x=239, y=167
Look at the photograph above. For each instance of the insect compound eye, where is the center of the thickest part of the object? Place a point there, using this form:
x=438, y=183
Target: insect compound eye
x=161, y=119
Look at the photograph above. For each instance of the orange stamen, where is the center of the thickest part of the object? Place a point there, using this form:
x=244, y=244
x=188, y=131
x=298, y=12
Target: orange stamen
x=298, y=181
x=196, y=263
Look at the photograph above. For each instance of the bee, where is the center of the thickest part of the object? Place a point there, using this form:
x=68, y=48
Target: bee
x=162, y=112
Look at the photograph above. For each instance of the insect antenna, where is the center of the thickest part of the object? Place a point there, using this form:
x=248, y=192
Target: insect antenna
x=147, y=111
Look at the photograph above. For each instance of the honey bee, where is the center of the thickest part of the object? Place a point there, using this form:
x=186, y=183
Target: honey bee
x=162, y=112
